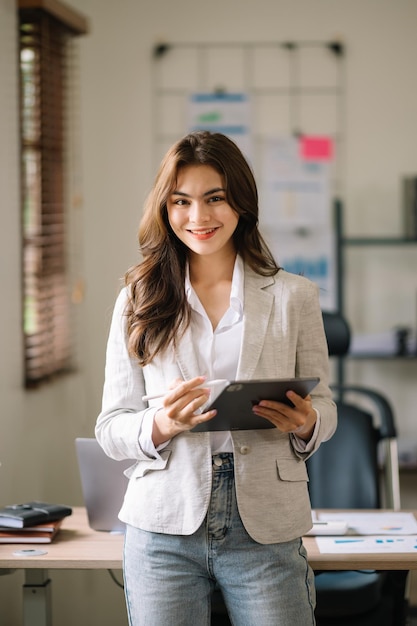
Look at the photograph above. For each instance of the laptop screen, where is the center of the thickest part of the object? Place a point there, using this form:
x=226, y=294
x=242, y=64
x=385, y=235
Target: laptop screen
x=103, y=485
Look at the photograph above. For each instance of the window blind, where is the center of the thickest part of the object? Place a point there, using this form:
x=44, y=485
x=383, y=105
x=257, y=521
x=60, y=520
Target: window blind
x=44, y=62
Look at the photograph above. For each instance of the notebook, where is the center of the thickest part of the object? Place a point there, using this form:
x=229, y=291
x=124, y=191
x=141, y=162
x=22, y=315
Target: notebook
x=103, y=485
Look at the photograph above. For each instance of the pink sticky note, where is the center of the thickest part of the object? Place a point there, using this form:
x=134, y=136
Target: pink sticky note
x=316, y=148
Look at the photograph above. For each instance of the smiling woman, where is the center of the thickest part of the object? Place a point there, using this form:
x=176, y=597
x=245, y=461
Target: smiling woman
x=158, y=304
x=201, y=217
x=208, y=301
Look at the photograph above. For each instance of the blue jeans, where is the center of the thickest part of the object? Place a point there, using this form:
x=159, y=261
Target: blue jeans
x=169, y=579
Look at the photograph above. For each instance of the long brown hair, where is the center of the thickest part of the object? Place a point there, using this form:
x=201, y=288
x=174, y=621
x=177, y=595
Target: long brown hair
x=158, y=311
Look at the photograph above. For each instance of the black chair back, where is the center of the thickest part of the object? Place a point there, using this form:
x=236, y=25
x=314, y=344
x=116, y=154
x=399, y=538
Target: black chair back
x=337, y=333
x=344, y=472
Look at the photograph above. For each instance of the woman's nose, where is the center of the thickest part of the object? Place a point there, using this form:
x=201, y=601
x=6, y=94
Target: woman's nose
x=199, y=212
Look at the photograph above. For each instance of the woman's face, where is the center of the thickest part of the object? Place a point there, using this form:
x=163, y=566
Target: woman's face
x=198, y=211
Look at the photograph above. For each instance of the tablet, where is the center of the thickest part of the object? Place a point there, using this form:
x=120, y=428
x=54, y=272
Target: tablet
x=234, y=403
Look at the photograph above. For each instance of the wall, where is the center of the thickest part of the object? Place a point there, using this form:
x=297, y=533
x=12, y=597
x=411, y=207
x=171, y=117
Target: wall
x=38, y=429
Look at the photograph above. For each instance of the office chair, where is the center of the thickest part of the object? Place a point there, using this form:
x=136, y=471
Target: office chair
x=344, y=473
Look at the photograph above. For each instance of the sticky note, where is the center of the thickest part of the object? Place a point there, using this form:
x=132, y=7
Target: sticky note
x=316, y=148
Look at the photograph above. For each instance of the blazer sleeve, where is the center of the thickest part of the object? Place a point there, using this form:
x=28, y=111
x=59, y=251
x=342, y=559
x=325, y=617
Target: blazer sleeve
x=118, y=426
x=312, y=360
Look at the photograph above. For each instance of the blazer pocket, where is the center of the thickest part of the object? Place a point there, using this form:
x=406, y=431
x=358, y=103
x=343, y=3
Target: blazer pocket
x=143, y=467
x=292, y=470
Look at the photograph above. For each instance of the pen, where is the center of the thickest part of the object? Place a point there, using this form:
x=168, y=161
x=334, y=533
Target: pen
x=209, y=383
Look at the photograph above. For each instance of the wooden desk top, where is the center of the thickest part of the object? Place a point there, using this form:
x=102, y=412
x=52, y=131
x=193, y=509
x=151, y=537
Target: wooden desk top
x=78, y=547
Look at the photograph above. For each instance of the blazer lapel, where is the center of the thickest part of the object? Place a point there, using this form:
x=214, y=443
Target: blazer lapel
x=257, y=310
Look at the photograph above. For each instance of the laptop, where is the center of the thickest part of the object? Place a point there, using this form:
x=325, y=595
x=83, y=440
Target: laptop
x=103, y=485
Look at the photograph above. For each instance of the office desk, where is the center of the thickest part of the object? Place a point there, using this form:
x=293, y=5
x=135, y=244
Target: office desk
x=78, y=547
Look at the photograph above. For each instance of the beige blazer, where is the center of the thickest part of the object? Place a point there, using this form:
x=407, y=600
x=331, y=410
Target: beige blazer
x=283, y=336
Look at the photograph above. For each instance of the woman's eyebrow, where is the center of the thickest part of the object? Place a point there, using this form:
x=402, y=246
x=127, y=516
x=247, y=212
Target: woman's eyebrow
x=177, y=192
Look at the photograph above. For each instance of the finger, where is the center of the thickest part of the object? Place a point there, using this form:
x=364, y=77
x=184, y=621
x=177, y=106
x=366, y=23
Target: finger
x=185, y=406
x=184, y=420
x=187, y=385
x=174, y=383
x=181, y=387
x=272, y=407
x=203, y=417
x=298, y=401
x=281, y=416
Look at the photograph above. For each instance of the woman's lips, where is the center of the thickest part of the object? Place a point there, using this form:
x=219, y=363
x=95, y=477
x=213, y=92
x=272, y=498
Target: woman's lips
x=203, y=234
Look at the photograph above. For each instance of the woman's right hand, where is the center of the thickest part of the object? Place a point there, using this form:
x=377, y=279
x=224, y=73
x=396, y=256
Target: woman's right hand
x=180, y=409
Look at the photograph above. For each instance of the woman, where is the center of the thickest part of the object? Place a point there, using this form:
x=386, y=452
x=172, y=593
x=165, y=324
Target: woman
x=207, y=302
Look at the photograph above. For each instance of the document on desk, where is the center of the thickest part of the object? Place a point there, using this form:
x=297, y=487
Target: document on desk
x=371, y=532
x=373, y=523
x=367, y=545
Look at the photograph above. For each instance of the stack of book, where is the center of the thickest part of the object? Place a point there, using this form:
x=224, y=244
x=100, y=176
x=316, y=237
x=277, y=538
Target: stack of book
x=32, y=522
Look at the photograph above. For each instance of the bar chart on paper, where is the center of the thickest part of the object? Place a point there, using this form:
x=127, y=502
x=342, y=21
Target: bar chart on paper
x=374, y=532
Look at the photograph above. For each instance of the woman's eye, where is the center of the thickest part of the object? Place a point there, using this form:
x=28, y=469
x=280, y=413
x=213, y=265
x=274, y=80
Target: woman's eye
x=180, y=202
x=216, y=199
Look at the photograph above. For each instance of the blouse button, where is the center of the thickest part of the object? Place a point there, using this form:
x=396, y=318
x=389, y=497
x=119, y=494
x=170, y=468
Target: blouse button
x=244, y=449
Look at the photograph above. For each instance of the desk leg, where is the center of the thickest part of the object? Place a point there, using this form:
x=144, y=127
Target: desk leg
x=398, y=580
x=37, y=598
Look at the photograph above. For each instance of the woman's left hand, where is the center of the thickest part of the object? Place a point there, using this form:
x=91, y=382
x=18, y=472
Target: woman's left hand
x=299, y=419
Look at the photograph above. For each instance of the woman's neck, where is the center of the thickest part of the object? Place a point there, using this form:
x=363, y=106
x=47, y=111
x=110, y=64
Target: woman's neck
x=212, y=282
x=209, y=270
